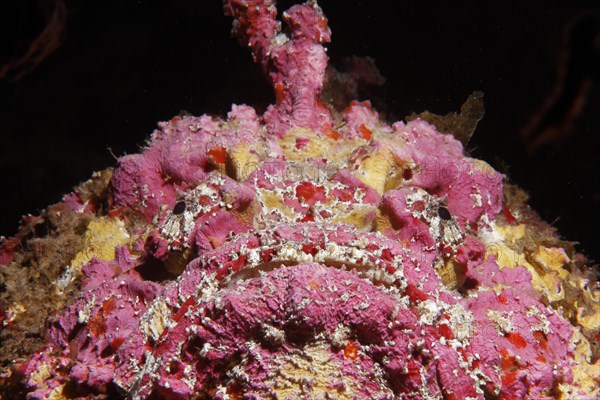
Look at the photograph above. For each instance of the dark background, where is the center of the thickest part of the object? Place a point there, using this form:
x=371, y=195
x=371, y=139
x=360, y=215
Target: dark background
x=124, y=65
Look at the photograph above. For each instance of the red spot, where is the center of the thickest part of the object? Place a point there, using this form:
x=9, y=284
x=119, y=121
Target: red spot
x=322, y=107
x=351, y=351
x=325, y=214
x=508, y=362
x=116, y=343
x=355, y=103
x=116, y=212
x=371, y=247
x=238, y=263
x=446, y=332
x=386, y=255
x=414, y=372
x=267, y=255
x=218, y=154
x=390, y=269
x=222, y=272
x=509, y=378
x=502, y=299
x=508, y=215
x=309, y=217
x=335, y=135
x=310, y=193
x=313, y=284
x=322, y=21
x=204, y=200
x=174, y=119
x=473, y=226
x=541, y=359
x=407, y=174
x=279, y=93
x=349, y=106
x=419, y=205
x=447, y=250
x=365, y=132
x=309, y=248
x=517, y=340
x=464, y=352
x=415, y=294
x=301, y=142
x=184, y=307
x=97, y=325
x=108, y=306
x=541, y=338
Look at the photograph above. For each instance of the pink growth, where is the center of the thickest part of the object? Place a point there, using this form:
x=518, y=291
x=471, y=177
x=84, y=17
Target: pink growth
x=295, y=64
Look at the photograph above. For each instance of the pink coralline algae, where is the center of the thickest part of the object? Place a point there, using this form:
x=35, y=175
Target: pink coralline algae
x=311, y=252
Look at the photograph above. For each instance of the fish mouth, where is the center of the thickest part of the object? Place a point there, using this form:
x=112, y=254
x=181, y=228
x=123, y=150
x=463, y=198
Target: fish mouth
x=371, y=255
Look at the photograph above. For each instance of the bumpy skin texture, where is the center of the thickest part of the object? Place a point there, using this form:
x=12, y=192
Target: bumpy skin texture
x=310, y=253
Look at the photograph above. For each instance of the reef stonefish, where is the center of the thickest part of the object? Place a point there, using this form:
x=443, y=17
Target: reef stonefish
x=306, y=253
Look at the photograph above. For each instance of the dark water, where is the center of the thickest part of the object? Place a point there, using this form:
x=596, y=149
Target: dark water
x=124, y=65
